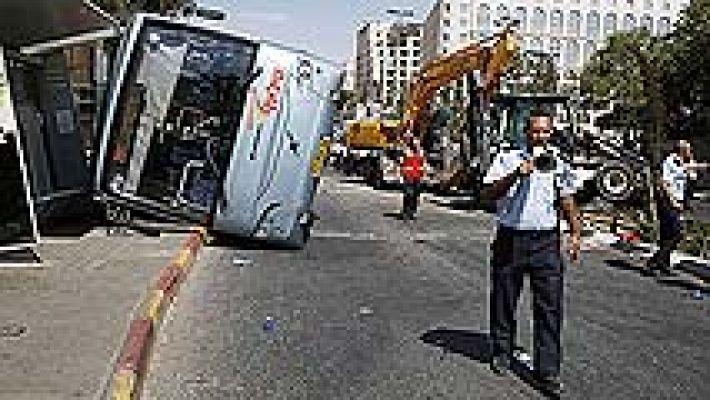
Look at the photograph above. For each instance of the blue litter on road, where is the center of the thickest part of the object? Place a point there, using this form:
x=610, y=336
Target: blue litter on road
x=269, y=325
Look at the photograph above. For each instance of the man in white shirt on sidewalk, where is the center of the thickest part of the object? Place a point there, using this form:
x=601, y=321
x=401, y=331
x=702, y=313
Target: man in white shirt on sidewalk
x=677, y=169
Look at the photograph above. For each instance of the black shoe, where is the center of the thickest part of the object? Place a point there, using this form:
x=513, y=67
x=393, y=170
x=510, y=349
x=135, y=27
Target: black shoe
x=550, y=385
x=649, y=272
x=500, y=364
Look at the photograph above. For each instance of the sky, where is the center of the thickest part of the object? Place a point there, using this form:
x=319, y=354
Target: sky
x=325, y=27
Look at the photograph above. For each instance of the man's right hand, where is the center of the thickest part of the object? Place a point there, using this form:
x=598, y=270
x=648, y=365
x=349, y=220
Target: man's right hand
x=526, y=167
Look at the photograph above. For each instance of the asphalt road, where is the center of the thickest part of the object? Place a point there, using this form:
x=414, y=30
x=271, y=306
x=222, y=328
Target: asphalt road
x=378, y=308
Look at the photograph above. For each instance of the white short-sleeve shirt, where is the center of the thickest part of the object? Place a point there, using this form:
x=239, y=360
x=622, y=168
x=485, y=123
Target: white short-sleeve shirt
x=676, y=176
x=530, y=202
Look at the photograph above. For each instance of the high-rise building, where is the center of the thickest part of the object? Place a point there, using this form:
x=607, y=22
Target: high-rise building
x=569, y=30
x=388, y=54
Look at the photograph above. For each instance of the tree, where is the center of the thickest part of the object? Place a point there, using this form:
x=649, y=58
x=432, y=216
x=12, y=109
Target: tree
x=629, y=73
x=688, y=83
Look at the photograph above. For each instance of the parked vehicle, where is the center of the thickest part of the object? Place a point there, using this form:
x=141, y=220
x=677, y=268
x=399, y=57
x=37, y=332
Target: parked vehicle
x=214, y=127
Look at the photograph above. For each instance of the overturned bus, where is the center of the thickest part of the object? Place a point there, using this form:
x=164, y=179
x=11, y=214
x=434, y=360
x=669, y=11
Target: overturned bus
x=212, y=127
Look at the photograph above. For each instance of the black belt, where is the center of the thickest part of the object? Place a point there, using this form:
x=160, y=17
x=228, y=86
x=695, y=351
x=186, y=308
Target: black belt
x=502, y=229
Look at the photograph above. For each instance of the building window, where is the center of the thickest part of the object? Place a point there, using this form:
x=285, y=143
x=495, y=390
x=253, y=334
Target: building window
x=403, y=74
x=572, y=53
x=403, y=63
x=666, y=5
x=447, y=7
x=381, y=53
x=415, y=63
x=647, y=23
x=593, y=25
x=464, y=36
x=416, y=53
x=648, y=4
x=464, y=22
x=609, y=24
x=445, y=37
x=464, y=8
x=379, y=43
x=594, y=3
x=555, y=47
x=612, y=3
x=393, y=53
x=521, y=15
x=503, y=14
x=629, y=22
x=575, y=22
x=404, y=53
x=484, y=17
x=416, y=43
x=446, y=23
x=539, y=20
x=664, y=25
x=589, y=48
x=556, y=22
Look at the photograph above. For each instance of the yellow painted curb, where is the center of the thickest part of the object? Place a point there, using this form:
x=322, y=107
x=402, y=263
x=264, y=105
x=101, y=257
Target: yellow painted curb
x=183, y=258
x=124, y=385
x=154, y=306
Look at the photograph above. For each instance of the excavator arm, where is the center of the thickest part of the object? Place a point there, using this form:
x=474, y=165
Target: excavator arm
x=491, y=61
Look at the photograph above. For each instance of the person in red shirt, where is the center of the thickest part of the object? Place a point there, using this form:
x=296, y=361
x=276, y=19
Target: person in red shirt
x=412, y=173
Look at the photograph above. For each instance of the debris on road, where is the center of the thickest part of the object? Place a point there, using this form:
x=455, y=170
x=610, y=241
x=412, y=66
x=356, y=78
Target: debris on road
x=366, y=311
x=242, y=262
x=12, y=331
x=269, y=325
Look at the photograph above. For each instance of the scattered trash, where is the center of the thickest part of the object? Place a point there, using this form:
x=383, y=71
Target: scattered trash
x=366, y=311
x=269, y=325
x=630, y=237
x=241, y=262
x=12, y=331
x=523, y=358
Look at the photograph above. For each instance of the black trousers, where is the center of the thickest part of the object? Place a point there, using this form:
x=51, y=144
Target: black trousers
x=536, y=253
x=671, y=230
x=410, y=200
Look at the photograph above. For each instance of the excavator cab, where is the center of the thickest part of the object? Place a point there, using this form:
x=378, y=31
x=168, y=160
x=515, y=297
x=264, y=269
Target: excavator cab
x=508, y=117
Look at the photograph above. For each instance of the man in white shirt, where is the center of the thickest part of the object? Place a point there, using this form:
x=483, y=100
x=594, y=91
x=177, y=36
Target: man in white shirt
x=676, y=171
x=530, y=186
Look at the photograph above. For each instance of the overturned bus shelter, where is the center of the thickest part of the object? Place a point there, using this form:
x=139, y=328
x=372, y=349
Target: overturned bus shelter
x=55, y=71
x=18, y=224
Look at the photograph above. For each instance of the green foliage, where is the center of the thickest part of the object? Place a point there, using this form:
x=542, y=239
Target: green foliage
x=654, y=81
x=688, y=84
x=695, y=238
x=628, y=71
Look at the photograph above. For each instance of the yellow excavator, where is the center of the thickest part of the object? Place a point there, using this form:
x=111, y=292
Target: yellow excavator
x=491, y=62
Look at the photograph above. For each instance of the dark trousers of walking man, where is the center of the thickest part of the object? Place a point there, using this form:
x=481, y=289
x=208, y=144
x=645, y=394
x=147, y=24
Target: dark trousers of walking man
x=671, y=234
x=516, y=253
x=410, y=201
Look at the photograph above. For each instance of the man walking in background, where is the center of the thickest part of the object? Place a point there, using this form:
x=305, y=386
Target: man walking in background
x=529, y=186
x=412, y=173
x=677, y=169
